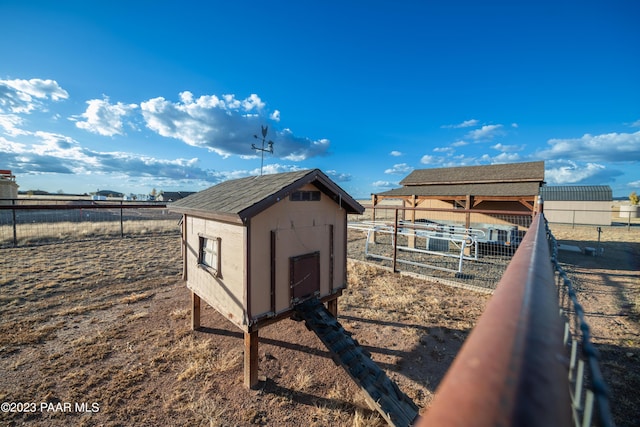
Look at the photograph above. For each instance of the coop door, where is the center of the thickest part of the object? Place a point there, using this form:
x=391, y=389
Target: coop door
x=304, y=276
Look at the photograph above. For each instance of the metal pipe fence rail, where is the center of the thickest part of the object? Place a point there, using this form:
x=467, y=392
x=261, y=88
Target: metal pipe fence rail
x=471, y=247
x=28, y=223
x=514, y=369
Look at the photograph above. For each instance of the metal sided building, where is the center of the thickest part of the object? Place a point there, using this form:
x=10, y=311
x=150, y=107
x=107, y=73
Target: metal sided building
x=254, y=247
x=577, y=204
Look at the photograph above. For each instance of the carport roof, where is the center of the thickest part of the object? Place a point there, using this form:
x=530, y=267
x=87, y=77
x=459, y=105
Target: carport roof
x=510, y=172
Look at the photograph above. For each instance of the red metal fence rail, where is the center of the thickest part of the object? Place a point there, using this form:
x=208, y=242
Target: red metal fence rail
x=514, y=368
x=511, y=371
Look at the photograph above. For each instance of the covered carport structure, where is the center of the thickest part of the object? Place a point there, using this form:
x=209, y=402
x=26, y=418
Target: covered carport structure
x=512, y=187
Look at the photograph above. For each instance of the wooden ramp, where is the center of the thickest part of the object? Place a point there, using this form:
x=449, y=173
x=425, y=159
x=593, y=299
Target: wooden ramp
x=382, y=393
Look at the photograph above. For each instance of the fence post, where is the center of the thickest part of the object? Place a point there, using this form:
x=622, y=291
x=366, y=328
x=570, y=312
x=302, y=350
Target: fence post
x=395, y=240
x=13, y=217
x=121, y=222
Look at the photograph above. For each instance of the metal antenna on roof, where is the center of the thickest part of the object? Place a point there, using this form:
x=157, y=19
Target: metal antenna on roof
x=269, y=148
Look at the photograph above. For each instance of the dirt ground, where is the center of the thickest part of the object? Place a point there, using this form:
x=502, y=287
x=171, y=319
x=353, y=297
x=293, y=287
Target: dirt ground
x=97, y=333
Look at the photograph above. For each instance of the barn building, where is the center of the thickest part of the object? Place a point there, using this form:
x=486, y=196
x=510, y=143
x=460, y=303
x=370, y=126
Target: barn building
x=254, y=247
x=578, y=204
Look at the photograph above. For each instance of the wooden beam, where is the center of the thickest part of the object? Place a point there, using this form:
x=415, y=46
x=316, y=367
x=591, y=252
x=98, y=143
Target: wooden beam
x=412, y=235
x=332, y=307
x=468, y=204
x=195, y=311
x=528, y=203
x=251, y=359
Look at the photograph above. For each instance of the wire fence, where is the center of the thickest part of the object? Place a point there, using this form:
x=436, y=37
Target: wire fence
x=579, y=217
x=470, y=247
x=590, y=396
x=34, y=222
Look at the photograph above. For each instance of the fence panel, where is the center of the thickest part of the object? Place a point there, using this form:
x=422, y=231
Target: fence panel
x=472, y=247
x=27, y=223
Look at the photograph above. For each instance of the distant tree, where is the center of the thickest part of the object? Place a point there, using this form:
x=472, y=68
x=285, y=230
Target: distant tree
x=153, y=193
x=60, y=191
x=633, y=198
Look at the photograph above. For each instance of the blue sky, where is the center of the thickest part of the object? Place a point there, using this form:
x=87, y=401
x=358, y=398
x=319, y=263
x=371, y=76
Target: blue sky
x=130, y=96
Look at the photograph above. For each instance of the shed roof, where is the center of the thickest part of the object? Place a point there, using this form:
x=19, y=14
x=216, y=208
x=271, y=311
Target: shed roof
x=237, y=200
x=512, y=172
x=589, y=193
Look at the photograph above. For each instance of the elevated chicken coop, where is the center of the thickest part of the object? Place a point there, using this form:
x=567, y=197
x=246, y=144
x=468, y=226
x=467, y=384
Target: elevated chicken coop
x=255, y=247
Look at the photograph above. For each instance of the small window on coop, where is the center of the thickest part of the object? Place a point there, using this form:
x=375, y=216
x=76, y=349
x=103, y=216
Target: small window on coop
x=209, y=254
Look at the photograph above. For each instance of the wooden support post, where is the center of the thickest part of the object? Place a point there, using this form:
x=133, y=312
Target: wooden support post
x=195, y=311
x=412, y=235
x=251, y=359
x=467, y=220
x=374, y=202
x=332, y=307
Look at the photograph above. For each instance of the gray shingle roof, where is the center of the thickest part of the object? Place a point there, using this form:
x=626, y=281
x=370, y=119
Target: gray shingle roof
x=239, y=199
x=590, y=193
x=512, y=172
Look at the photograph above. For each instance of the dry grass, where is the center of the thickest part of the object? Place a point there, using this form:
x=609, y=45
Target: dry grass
x=60, y=231
x=81, y=324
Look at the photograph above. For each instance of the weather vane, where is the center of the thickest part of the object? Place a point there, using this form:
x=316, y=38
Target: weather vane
x=269, y=148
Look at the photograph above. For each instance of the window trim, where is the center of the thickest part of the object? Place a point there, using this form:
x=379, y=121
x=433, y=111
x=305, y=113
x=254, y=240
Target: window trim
x=215, y=252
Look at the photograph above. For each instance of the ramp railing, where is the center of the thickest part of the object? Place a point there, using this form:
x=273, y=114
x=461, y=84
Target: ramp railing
x=514, y=369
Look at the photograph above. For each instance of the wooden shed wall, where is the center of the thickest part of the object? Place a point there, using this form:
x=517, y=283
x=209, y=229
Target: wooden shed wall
x=226, y=293
x=300, y=228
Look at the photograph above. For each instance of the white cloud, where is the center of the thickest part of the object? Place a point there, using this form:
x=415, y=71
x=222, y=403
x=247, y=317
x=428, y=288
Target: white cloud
x=459, y=143
x=486, y=132
x=465, y=124
x=635, y=124
x=447, y=150
x=610, y=147
x=399, y=169
x=571, y=172
x=505, y=158
x=507, y=148
x=339, y=176
x=104, y=118
x=428, y=159
x=224, y=125
x=11, y=147
x=384, y=184
x=24, y=96
x=10, y=123
x=395, y=153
